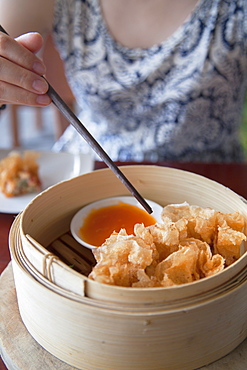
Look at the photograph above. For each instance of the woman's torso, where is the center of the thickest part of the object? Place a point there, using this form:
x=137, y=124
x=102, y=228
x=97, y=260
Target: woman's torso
x=178, y=100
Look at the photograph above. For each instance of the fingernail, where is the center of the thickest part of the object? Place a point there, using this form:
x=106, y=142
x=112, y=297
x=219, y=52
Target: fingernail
x=39, y=68
x=40, y=86
x=43, y=100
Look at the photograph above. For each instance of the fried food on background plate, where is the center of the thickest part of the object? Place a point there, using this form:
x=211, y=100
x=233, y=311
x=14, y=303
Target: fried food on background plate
x=19, y=174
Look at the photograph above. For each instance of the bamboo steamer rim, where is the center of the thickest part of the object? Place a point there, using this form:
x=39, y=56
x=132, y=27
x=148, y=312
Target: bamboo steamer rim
x=131, y=171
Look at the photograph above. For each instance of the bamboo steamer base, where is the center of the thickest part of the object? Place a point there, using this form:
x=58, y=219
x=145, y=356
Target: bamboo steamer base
x=21, y=352
x=88, y=336
x=98, y=326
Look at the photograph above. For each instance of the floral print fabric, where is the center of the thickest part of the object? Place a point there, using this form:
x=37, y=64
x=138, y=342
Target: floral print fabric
x=180, y=100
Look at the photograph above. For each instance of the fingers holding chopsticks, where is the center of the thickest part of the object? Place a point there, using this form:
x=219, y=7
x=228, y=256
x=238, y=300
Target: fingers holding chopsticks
x=21, y=71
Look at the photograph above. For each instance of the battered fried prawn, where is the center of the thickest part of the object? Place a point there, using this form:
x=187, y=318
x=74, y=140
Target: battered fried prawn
x=192, y=243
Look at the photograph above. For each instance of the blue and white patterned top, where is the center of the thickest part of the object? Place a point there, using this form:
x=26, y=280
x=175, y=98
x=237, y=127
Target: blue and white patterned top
x=180, y=100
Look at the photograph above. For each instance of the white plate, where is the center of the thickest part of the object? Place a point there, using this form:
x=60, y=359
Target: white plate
x=79, y=217
x=53, y=168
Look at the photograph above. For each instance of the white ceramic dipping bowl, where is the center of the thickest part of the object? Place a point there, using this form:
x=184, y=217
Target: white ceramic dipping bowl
x=78, y=219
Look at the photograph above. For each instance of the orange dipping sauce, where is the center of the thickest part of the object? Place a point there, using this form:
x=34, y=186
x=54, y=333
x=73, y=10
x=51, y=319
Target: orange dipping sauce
x=100, y=223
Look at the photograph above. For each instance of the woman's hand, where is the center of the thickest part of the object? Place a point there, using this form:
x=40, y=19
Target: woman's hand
x=21, y=71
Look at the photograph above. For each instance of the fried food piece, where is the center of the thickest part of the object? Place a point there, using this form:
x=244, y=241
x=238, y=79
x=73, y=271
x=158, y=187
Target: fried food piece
x=192, y=243
x=207, y=263
x=166, y=236
x=180, y=267
x=234, y=220
x=19, y=174
x=120, y=257
x=202, y=222
x=228, y=243
x=192, y=261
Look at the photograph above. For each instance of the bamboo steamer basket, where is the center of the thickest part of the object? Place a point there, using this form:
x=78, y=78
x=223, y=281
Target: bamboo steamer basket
x=96, y=326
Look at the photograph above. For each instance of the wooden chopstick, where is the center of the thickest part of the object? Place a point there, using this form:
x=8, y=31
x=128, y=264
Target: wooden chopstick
x=71, y=117
x=78, y=125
